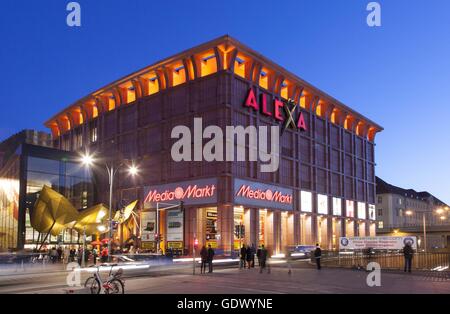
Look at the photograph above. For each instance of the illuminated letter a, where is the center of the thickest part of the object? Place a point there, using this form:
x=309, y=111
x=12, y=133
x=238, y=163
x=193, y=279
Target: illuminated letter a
x=251, y=100
x=301, y=122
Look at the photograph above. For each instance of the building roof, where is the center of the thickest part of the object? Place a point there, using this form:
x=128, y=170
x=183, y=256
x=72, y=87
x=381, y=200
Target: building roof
x=385, y=188
x=223, y=53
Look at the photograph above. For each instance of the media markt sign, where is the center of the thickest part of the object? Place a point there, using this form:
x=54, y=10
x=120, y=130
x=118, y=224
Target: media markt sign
x=262, y=195
x=190, y=192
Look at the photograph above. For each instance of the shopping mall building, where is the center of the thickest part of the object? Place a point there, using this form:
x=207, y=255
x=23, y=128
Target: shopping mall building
x=324, y=187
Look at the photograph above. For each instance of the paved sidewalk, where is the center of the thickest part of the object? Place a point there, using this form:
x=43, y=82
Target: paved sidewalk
x=301, y=281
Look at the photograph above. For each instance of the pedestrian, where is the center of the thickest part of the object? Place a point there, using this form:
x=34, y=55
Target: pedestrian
x=253, y=255
x=258, y=255
x=248, y=256
x=53, y=255
x=262, y=259
x=318, y=255
x=80, y=255
x=66, y=255
x=243, y=254
x=204, y=257
x=60, y=252
x=94, y=255
x=408, y=253
x=210, y=258
x=72, y=254
x=104, y=255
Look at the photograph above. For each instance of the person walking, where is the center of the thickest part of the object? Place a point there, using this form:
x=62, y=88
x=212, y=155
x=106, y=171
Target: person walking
x=104, y=255
x=60, y=252
x=72, y=255
x=53, y=255
x=204, y=257
x=66, y=255
x=318, y=255
x=258, y=255
x=243, y=254
x=210, y=258
x=248, y=256
x=408, y=253
x=253, y=255
x=94, y=255
x=262, y=259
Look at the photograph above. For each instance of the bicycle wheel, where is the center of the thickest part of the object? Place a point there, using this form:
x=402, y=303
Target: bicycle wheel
x=93, y=284
x=117, y=287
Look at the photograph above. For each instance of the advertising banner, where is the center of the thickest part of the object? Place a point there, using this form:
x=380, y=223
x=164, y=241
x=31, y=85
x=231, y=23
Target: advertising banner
x=174, y=220
x=190, y=192
x=377, y=243
x=322, y=204
x=262, y=195
x=148, y=226
x=306, y=201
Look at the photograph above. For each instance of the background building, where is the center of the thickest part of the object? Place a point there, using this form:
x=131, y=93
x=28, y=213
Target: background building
x=404, y=211
x=26, y=167
x=326, y=172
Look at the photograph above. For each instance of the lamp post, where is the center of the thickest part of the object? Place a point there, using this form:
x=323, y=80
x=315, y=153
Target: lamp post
x=438, y=211
x=88, y=161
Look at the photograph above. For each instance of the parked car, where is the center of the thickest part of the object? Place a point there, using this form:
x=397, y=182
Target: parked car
x=300, y=251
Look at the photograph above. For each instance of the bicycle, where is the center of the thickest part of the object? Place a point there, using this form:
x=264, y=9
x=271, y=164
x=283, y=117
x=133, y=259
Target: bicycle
x=114, y=285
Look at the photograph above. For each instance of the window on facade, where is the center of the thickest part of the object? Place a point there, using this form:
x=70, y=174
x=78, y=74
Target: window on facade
x=239, y=67
x=208, y=65
x=380, y=225
x=380, y=212
x=94, y=134
x=153, y=85
x=178, y=75
x=380, y=199
x=131, y=94
x=264, y=79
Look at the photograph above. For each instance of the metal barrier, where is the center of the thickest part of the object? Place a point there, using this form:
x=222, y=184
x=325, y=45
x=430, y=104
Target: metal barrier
x=392, y=261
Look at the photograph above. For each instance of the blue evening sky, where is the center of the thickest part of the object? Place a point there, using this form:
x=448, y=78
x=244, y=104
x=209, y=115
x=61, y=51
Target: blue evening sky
x=397, y=75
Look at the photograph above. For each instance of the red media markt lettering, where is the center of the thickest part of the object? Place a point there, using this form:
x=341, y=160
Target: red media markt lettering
x=267, y=195
x=192, y=191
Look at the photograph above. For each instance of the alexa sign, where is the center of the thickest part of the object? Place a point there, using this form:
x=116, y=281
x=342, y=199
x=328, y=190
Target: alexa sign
x=293, y=120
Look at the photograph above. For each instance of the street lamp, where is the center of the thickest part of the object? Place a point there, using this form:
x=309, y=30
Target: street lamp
x=439, y=211
x=88, y=161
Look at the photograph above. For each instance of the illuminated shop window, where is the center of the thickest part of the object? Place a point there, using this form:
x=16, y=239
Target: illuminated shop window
x=337, y=206
x=153, y=85
x=306, y=201
x=361, y=210
x=322, y=204
x=380, y=225
x=350, y=209
x=239, y=67
x=178, y=75
x=208, y=65
x=372, y=212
